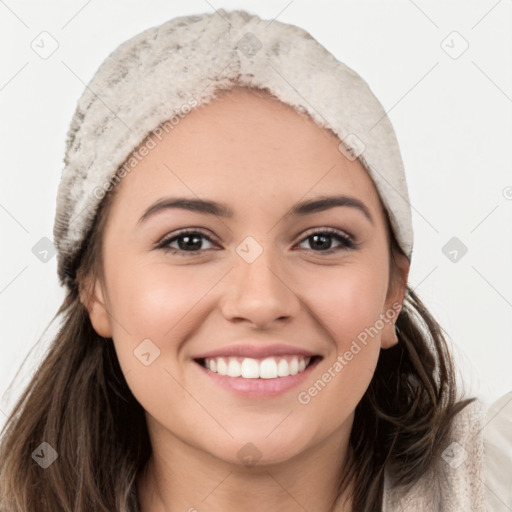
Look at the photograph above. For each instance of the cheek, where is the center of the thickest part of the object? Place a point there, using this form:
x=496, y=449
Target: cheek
x=348, y=301
x=151, y=302
x=349, y=307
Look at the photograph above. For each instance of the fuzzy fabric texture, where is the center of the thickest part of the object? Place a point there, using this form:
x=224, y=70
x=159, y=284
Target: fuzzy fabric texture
x=165, y=71
x=456, y=482
x=498, y=455
x=474, y=472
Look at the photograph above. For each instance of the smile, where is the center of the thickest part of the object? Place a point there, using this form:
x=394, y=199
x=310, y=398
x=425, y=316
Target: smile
x=262, y=368
x=258, y=378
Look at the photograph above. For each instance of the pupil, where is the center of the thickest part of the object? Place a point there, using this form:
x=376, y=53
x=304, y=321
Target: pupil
x=324, y=245
x=187, y=242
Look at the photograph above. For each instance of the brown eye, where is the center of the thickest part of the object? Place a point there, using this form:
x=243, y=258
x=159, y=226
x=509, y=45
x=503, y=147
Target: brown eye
x=186, y=241
x=321, y=240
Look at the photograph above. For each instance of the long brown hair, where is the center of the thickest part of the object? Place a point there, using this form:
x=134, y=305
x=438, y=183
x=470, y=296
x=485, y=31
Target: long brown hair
x=79, y=403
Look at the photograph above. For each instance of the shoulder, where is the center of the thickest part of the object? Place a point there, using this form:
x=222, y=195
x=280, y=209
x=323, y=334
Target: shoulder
x=455, y=481
x=497, y=438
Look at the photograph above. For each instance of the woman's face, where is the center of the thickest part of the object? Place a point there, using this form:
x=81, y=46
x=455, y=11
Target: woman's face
x=259, y=283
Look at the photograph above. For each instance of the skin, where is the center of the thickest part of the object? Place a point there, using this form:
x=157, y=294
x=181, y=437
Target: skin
x=259, y=157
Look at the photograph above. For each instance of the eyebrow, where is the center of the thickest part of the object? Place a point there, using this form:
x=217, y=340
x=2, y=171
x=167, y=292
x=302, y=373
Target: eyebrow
x=209, y=207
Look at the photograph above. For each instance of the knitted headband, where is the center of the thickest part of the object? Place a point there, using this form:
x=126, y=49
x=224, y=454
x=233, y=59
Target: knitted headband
x=159, y=75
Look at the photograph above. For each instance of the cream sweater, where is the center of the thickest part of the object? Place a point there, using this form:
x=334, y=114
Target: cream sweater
x=474, y=473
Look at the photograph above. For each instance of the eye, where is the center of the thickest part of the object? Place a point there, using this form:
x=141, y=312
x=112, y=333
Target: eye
x=187, y=241
x=321, y=239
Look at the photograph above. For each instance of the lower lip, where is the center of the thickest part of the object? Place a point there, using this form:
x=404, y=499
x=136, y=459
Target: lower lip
x=259, y=388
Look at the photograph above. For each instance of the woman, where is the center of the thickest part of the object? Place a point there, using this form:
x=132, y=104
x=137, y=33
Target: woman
x=234, y=232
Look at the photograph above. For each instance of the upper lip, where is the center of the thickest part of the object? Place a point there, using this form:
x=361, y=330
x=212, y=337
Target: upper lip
x=256, y=351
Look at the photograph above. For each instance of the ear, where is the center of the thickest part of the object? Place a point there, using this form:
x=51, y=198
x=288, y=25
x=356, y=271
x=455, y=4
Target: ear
x=93, y=297
x=394, y=300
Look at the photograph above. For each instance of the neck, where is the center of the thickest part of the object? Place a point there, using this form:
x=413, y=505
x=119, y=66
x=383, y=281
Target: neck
x=182, y=477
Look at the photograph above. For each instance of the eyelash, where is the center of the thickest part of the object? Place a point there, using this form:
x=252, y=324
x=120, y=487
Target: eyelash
x=348, y=241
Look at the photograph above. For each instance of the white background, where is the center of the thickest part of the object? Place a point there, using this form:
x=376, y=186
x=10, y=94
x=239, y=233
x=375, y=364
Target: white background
x=452, y=116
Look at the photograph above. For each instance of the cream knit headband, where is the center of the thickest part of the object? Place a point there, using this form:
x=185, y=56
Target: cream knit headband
x=162, y=73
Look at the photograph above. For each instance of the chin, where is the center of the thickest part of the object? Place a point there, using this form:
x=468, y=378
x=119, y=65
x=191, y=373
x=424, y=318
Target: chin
x=259, y=451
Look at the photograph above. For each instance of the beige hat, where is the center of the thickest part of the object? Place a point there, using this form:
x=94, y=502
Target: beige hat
x=159, y=75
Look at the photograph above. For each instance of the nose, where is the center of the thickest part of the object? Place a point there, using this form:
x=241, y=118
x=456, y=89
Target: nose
x=259, y=293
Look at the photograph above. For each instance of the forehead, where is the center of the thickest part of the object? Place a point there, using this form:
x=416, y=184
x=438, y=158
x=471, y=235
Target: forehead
x=250, y=148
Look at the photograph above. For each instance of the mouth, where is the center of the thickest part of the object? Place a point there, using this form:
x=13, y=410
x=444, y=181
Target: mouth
x=275, y=367
x=257, y=378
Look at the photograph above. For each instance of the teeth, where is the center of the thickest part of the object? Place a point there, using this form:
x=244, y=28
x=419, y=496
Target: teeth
x=294, y=366
x=234, y=369
x=283, y=368
x=249, y=368
x=268, y=368
x=222, y=367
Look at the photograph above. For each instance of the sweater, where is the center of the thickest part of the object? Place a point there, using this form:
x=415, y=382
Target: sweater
x=474, y=472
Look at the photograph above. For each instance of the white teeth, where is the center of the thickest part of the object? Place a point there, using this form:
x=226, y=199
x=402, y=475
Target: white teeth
x=222, y=367
x=283, y=369
x=234, y=369
x=294, y=366
x=249, y=368
x=268, y=368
